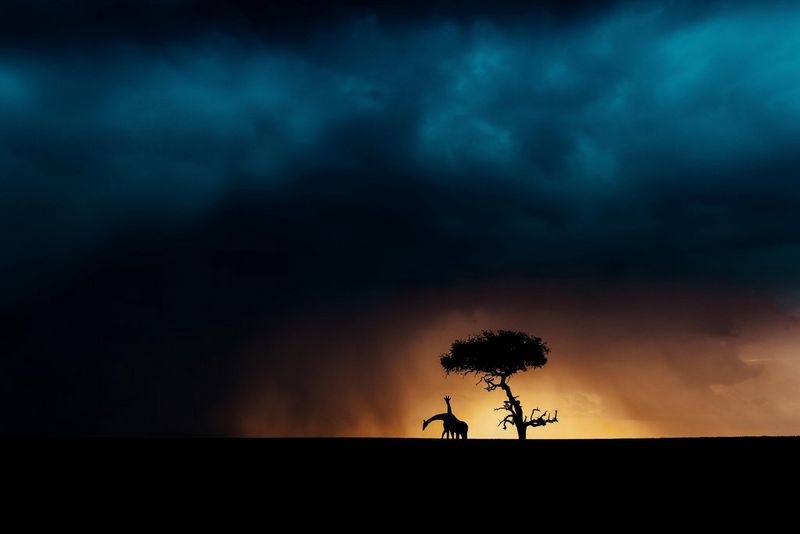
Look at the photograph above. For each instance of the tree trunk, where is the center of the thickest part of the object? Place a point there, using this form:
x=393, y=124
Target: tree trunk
x=519, y=418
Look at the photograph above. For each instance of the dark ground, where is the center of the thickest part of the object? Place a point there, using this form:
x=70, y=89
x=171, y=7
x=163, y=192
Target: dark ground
x=405, y=457
x=570, y=481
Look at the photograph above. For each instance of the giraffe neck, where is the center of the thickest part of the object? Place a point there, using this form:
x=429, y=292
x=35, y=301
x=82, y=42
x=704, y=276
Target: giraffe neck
x=439, y=417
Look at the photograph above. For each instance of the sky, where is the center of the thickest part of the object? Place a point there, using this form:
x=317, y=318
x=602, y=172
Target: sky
x=269, y=219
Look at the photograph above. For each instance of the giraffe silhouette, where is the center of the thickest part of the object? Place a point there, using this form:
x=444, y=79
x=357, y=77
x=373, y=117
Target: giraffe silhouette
x=453, y=426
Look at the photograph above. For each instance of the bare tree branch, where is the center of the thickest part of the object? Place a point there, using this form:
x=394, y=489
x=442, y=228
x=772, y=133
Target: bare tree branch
x=489, y=382
x=542, y=420
x=531, y=417
x=507, y=420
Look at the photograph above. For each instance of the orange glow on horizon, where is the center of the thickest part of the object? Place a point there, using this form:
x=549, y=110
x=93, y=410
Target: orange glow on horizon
x=653, y=365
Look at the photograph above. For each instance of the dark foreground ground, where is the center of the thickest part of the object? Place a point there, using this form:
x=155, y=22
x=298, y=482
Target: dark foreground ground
x=189, y=458
x=401, y=485
x=571, y=480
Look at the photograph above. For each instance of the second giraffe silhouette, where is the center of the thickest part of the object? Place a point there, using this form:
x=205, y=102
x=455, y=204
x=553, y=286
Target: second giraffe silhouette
x=453, y=427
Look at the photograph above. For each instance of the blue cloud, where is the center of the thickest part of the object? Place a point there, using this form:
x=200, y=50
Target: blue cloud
x=605, y=118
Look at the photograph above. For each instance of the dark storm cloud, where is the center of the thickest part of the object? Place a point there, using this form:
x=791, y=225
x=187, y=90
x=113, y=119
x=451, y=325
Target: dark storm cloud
x=37, y=22
x=175, y=175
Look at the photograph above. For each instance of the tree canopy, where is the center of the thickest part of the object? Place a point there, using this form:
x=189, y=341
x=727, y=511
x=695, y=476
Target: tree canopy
x=498, y=353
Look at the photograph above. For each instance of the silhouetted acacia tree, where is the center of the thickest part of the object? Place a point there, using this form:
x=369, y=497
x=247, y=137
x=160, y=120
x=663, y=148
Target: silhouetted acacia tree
x=495, y=357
